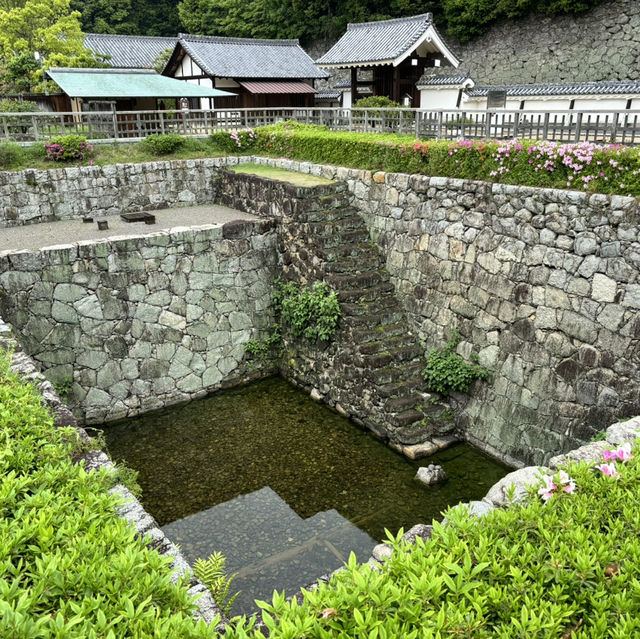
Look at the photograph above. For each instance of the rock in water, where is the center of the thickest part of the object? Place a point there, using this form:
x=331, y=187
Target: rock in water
x=431, y=474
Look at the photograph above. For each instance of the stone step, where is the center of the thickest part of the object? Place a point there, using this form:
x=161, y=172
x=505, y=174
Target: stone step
x=367, y=319
x=407, y=417
x=404, y=402
x=394, y=341
x=356, y=250
x=333, y=226
x=380, y=332
x=376, y=308
x=360, y=295
x=354, y=265
x=392, y=356
x=409, y=385
x=337, y=240
x=366, y=279
x=390, y=374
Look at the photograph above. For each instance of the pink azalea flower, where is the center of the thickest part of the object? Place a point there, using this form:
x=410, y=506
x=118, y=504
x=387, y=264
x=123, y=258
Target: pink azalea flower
x=624, y=452
x=610, y=455
x=570, y=487
x=548, y=489
x=609, y=470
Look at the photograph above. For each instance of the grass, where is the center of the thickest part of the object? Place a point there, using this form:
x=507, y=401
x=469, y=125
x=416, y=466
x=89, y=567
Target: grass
x=292, y=177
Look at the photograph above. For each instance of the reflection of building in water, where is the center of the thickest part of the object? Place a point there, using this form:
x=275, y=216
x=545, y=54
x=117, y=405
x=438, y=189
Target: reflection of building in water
x=268, y=544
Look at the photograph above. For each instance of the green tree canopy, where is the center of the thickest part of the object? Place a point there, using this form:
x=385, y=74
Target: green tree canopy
x=48, y=27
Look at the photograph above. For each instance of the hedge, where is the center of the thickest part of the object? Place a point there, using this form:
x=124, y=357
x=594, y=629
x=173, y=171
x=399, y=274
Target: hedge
x=585, y=166
x=69, y=566
x=566, y=563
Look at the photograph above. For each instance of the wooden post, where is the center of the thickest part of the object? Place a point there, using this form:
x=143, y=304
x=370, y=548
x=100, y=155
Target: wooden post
x=578, y=127
x=614, y=128
x=487, y=125
x=5, y=126
x=35, y=126
x=396, y=84
x=114, y=117
x=545, y=129
x=439, y=134
x=417, y=117
x=354, y=85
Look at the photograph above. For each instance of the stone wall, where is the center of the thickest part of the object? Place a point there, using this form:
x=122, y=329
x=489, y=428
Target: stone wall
x=543, y=284
x=601, y=44
x=141, y=322
x=32, y=196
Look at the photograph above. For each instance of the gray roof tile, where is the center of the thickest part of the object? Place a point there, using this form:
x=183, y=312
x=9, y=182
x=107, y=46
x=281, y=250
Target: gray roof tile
x=377, y=41
x=250, y=58
x=565, y=88
x=447, y=77
x=128, y=52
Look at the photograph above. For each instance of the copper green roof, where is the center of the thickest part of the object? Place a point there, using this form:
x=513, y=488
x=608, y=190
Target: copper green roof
x=133, y=83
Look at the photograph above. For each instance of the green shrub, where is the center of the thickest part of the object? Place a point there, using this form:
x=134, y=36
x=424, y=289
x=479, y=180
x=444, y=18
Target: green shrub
x=163, y=144
x=240, y=141
x=446, y=371
x=67, y=148
x=261, y=348
x=11, y=155
x=69, y=566
x=564, y=568
x=310, y=312
x=18, y=106
x=377, y=102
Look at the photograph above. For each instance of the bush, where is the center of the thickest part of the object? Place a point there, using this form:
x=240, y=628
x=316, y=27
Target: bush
x=11, y=155
x=377, y=102
x=67, y=148
x=70, y=566
x=18, y=106
x=163, y=144
x=446, y=371
x=585, y=166
x=566, y=567
x=310, y=312
x=242, y=140
x=389, y=152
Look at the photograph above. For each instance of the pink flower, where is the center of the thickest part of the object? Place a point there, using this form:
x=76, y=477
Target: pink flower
x=624, y=452
x=548, y=489
x=609, y=470
x=328, y=612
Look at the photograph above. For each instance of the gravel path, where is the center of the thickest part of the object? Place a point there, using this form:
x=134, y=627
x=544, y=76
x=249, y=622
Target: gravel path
x=35, y=236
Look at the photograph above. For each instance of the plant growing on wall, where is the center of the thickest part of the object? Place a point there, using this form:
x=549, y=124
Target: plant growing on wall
x=311, y=312
x=446, y=370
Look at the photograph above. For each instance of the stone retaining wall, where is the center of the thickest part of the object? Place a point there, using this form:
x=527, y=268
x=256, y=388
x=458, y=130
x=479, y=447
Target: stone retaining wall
x=543, y=284
x=32, y=196
x=140, y=322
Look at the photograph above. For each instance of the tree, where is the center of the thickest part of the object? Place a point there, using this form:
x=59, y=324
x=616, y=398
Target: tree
x=47, y=27
x=106, y=16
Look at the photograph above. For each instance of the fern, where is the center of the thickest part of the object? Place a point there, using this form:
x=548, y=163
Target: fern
x=211, y=572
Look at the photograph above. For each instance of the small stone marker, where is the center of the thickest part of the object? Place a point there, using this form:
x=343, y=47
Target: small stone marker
x=87, y=219
x=431, y=474
x=103, y=225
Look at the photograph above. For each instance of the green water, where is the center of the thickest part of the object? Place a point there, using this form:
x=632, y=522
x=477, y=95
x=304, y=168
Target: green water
x=283, y=486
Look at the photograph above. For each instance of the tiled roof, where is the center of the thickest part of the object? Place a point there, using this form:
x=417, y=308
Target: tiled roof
x=444, y=78
x=377, y=41
x=346, y=84
x=128, y=52
x=328, y=94
x=565, y=88
x=249, y=58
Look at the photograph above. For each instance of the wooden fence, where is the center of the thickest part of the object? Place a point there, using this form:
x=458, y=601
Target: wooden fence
x=605, y=126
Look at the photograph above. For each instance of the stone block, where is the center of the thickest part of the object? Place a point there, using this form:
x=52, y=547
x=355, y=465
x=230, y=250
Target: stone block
x=519, y=481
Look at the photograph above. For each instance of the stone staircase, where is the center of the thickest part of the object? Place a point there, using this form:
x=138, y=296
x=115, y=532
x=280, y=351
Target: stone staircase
x=371, y=371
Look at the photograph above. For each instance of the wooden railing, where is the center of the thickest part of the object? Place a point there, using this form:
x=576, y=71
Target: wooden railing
x=602, y=126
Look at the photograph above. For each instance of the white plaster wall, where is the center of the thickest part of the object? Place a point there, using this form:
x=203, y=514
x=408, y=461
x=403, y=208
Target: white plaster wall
x=432, y=98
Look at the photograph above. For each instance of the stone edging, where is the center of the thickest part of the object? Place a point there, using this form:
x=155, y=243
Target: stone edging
x=131, y=510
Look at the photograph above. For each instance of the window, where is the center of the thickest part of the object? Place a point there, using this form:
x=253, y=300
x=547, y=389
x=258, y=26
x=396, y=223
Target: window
x=572, y=104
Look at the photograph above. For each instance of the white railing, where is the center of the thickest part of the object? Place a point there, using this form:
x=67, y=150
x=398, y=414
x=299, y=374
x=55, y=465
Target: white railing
x=619, y=127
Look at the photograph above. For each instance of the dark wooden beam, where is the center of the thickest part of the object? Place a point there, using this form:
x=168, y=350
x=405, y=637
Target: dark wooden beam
x=354, y=85
x=396, y=84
